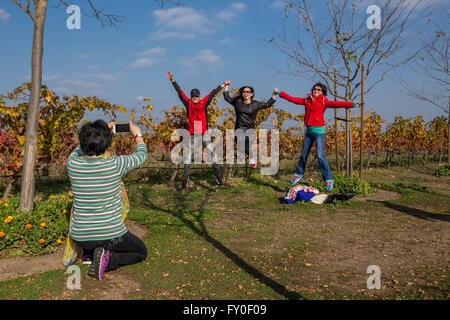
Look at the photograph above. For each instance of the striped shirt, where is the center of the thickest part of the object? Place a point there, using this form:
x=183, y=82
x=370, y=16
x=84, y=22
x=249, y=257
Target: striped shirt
x=96, y=187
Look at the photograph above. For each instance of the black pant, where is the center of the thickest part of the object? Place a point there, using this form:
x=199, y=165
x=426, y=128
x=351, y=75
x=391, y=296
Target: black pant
x=125, y=250
x=187, y=162
x=248, y=143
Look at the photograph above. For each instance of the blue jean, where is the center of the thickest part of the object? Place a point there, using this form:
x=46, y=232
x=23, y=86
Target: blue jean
x=319, y=139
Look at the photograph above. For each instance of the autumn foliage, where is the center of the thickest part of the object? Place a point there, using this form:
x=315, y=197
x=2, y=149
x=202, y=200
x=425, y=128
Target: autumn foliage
x=60, y=118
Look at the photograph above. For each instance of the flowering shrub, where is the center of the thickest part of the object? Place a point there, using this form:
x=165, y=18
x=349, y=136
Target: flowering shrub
x=39, y=231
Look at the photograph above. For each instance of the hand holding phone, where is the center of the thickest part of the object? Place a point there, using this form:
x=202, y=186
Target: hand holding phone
x=121, y=127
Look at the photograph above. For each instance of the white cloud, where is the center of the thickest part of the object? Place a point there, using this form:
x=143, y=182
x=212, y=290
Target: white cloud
x=205, y=59
x=225, y=41
x=231, y=12
x=277, y=4
x=4, y=15
x=182, y=19
x=144, y=62
x=158, y=51
x=159, y=35
x=80, y=83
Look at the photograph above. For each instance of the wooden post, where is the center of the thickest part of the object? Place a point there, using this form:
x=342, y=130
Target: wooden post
x=362, y=124
x=348, y=144
x=336, y=124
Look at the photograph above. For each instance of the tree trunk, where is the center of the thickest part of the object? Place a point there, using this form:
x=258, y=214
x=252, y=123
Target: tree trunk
x=174, y=175
x=376, y=160
x=32, y=124
x=368, y=161
x=448, y=133
x=9, y=187
x=230, y=172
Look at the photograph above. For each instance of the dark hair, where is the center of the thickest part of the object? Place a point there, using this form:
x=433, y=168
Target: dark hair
x=242, y=89
x=324, y=88
x=95, y=137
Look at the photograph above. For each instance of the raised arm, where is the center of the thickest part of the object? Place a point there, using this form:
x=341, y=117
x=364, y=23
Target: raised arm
x=268, y=103
x=215, y=91
x=184, y=99
x=284, y=95
x=226, y=95
x=126, y=163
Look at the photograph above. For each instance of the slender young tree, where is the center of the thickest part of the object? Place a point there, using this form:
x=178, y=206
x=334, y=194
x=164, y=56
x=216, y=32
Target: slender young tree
x=37, y=11
x=316, y=36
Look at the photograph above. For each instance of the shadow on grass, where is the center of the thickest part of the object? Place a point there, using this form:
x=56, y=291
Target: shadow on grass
x=198, y=227
x=267, y=184
x=416, y=212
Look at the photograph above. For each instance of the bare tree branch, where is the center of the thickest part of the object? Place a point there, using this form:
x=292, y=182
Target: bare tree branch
x=26, y=8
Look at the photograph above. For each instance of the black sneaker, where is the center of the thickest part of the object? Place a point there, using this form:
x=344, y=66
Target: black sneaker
x=99, y=263
x=218, y=179
x=184, y=182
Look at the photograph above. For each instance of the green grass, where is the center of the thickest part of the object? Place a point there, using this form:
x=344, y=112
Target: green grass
x=238, y=241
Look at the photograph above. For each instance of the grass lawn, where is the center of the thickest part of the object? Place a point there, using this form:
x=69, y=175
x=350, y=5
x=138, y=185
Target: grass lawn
x=237, y=241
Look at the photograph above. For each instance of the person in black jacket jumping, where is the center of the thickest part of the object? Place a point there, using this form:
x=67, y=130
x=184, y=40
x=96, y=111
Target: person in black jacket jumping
x=197, y=113
x=246, y=111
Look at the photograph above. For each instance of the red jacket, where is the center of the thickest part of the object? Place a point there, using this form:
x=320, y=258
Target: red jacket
x=315, y=108
x=196, y=112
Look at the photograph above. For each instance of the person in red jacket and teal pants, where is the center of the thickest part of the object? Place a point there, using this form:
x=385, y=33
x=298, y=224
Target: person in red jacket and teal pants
x=315, y=106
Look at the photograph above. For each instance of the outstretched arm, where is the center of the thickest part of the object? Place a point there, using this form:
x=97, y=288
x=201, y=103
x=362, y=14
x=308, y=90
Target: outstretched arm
x=184, y=99
x=268, y=103
x=215, y=91
x=341, y=104
x=284, y=95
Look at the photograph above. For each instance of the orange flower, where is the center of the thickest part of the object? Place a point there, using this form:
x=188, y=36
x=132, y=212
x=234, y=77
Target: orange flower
x=28, y=226
x=43, y=224
x=5, y=204
x=63, y=196
x=58, y=241
x=64, y=211
x=6, y=221
x=41, y=241
x=2, y=234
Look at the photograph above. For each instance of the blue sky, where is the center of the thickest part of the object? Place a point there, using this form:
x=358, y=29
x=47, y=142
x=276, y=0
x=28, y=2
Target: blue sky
x=202, y=42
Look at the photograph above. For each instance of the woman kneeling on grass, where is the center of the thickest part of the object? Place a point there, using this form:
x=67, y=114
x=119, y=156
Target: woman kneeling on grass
x=96, y=186
x=315, y=129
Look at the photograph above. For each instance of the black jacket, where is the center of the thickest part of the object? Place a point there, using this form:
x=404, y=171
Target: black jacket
x=246, y=113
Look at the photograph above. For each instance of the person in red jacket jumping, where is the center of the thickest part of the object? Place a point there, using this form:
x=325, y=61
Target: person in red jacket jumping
x=315, y=106
x=197, y=109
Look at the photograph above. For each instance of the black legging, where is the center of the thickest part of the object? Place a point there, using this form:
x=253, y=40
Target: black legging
x=125, y=250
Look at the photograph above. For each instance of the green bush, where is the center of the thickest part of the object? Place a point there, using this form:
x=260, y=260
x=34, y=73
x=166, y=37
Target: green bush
x=37, y=232
x=344, y=184
x=443, y=171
